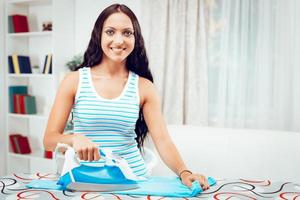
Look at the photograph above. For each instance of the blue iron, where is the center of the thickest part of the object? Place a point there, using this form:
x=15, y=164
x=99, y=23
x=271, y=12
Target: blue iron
x=114, y=175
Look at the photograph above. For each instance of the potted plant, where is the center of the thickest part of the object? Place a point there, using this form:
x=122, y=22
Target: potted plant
x=74, y=62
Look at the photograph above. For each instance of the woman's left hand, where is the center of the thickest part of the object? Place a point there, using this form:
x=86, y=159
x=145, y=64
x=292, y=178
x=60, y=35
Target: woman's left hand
x=188, y=178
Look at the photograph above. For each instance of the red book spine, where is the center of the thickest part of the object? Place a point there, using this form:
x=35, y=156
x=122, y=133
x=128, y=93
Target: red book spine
x=20, y=23
x=13, y=143
x=24, y=145
x=16, y=103
x=22, y=104
x=16, y=141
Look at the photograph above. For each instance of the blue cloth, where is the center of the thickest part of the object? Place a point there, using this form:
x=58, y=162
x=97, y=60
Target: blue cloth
x=167, y=187
x=154, y=186
x=44, y=184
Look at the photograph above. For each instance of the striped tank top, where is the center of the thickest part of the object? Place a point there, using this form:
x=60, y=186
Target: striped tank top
x=109, y=123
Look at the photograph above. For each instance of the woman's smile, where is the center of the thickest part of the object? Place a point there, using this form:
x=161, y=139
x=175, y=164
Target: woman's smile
x=117, y=50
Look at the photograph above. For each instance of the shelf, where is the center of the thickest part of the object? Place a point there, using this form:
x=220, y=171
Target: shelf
x=34, y=154
x=27, y=116
x=30, y=2
x=30, y=34
x=36, y=44
x=30, y=75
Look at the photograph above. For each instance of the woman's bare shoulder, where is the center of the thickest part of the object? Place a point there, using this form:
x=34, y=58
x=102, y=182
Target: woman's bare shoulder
x=147, y=90
x=70, y=82
x=145, y=84
x=74, y=75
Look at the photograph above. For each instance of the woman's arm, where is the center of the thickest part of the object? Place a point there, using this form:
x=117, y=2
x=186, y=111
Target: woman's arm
x=160, y=136
x=58, y=118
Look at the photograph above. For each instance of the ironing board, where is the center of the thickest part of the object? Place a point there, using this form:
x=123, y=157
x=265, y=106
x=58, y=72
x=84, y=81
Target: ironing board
x=13, y=187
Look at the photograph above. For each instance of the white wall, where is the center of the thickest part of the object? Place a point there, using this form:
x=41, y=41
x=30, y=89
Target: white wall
x=86, y=13
x=2, y=124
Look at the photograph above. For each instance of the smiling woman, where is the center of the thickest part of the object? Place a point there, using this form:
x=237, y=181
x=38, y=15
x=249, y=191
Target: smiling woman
x=114, y=101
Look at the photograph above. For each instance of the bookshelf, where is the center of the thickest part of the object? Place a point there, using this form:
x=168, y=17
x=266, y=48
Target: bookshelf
x=49, y=76
x=30, y=2
x=38, y=33
x=2, y=87
x=28, y=116
x=36, y=44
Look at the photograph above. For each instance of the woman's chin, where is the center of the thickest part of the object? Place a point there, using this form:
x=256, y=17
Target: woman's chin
x=117, y=59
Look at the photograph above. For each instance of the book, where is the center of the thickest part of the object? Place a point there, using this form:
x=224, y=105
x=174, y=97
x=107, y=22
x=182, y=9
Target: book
x=13, y=143
x=30, y=104
x=16, y=65
x=19, y=144
x=17, y=108
x=22, y=103
x=24, y=145
x=10, y=25
x=24, y=64
x=48, y=64
x=10, y=65
x=19, y=64
x=16, y=89
x=20, y=23
x=19, y=103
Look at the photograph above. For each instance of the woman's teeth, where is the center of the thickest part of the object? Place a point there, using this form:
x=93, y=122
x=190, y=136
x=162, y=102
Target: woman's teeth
x=119, y=49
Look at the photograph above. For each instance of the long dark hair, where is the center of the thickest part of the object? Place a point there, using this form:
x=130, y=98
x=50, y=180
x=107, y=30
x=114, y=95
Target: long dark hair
x=136, y=62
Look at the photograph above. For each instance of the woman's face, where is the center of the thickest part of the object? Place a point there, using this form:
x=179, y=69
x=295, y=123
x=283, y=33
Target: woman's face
x=117, y=40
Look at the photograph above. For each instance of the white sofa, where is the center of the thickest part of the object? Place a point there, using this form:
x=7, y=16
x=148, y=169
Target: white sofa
x=236, y=153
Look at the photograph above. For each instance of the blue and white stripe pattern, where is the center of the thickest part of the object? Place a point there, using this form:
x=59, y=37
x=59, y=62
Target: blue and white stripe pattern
x=110, y=123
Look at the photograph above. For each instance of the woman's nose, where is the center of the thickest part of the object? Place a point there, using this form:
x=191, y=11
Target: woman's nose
x=118, y=39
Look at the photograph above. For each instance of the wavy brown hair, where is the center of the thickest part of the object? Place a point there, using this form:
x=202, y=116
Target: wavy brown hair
x=136, y=62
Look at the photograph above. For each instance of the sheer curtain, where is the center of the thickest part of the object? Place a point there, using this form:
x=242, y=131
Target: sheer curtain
x=229, y=63
x=176, y=45
x=253, y=66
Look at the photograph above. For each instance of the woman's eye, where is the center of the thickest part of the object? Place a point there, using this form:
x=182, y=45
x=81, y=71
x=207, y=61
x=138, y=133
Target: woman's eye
x=109, y=32
x=127, y=33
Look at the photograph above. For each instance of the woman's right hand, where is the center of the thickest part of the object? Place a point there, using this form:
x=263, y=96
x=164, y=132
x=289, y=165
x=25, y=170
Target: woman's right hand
x=85, y=148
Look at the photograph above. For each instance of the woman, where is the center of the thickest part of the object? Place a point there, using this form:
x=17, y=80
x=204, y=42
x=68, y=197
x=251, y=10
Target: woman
x=113, y=99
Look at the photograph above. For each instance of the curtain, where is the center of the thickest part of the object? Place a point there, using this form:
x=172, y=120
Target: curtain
x=175, y=40
x=228, y=63
x=253, y=66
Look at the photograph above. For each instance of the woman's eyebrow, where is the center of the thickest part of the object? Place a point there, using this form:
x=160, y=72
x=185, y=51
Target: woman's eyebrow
x=116, y=29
